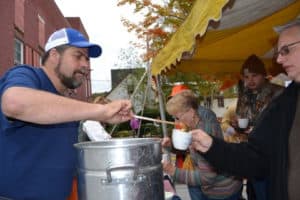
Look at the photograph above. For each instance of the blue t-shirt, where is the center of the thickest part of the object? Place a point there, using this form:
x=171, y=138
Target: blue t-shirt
x=37, y=162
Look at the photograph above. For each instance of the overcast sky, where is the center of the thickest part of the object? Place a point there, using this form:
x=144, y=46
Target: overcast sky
x=102, y=21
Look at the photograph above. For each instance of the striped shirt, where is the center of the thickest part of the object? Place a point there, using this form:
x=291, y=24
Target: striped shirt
x=213, y=184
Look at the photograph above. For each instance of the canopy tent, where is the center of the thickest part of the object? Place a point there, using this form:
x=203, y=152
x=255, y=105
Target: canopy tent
x=218, y=48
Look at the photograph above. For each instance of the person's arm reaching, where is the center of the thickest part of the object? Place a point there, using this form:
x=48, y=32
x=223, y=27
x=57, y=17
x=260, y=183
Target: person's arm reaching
x=46, y=108
x=237, y=159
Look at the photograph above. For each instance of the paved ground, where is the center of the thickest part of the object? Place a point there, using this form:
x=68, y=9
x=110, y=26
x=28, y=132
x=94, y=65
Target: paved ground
x=183, y=193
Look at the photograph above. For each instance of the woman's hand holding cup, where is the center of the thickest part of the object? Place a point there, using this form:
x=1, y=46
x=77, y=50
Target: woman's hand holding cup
x=243, y=123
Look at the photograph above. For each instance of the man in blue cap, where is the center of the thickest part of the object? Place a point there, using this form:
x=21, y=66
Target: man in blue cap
x=39, y=124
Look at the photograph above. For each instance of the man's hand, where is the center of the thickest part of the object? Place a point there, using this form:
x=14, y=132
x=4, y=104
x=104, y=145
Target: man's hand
x=118, y=111
x=201, y=141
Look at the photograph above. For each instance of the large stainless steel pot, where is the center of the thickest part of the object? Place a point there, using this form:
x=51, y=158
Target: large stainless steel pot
x=120, y=169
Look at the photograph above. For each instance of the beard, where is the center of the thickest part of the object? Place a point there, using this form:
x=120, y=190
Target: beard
x=69, y=82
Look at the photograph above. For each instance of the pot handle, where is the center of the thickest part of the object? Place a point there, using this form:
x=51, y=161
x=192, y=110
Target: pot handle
x=133, y=167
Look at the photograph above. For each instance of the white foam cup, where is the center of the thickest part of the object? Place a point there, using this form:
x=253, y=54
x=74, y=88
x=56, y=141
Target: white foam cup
x=181, y=139
x=243, y=122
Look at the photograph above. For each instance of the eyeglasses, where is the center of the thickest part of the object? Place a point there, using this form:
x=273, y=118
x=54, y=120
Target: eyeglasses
x=285, y=50
x=178, y=118
x=175, y=118
x=181, y=116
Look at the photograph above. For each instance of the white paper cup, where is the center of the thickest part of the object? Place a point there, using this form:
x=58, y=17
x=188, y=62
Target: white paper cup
x=243, y=122
x=181, y=139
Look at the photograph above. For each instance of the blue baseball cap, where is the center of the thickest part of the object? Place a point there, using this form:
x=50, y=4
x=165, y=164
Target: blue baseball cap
x=74, y=38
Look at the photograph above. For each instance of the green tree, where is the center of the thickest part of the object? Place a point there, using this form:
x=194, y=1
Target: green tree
x=194, y=81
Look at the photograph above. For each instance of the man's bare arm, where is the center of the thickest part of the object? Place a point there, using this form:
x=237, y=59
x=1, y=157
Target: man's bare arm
x=46, y=108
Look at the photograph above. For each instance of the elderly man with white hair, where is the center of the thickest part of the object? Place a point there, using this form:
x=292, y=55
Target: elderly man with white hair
x=273, y=148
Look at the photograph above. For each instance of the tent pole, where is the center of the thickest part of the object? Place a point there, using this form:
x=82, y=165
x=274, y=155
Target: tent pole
x=161, y=106
x=145, y=96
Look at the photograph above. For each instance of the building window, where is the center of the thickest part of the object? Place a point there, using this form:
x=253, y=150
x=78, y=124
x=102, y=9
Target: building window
x=19, y=52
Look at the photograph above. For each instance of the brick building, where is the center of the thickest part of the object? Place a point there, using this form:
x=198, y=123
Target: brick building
x=25, y=26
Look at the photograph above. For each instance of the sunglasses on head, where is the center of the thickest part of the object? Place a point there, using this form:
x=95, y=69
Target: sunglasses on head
x=285, y=49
